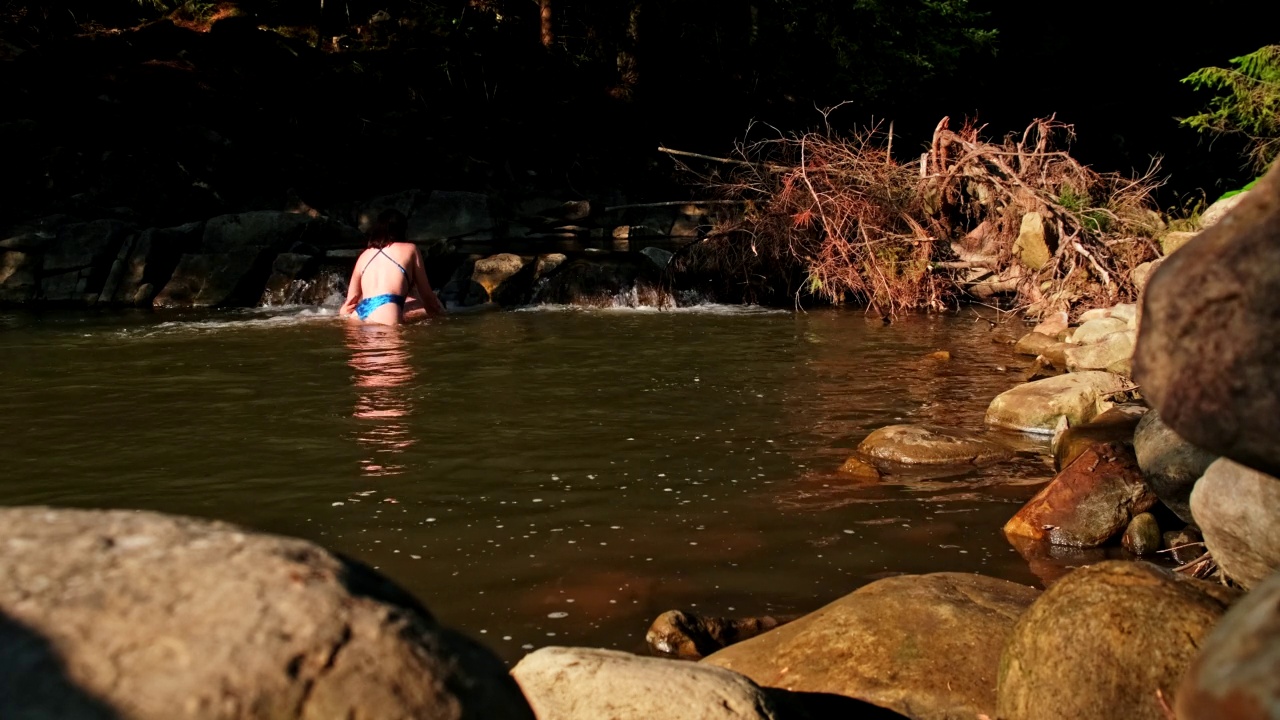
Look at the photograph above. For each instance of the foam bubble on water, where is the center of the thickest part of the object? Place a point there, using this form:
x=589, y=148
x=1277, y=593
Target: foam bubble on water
x=557, y=615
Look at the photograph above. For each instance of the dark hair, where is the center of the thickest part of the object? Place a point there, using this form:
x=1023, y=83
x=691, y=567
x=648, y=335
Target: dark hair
x=390, y=227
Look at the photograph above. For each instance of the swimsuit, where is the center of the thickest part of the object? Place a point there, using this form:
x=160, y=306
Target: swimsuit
x=366, y=306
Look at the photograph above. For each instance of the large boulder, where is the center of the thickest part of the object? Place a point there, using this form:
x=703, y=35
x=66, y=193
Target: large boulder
x=1210, y=334
x=926, y=646
x=236, y=255
x=898, y=446
x=141, y=615
x=1238, y=511
x=1170, y=465
x=146, y=262
x=565, y=683
x=1036, y=407
x=1237, y=671
x=1088, y=502
x=1106, y=641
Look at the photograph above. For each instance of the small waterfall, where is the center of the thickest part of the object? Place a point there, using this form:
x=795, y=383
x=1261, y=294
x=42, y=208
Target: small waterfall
x=326, y=289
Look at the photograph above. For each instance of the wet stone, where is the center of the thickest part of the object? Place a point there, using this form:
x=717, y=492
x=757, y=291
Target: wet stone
x=1142, y=537
x=896, y=445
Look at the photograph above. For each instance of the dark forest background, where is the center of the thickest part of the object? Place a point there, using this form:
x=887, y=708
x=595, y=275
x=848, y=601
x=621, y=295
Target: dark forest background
x=180, y=110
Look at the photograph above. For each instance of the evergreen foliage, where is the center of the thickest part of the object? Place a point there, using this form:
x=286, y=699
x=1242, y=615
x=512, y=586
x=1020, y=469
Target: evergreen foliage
x=1247, y=102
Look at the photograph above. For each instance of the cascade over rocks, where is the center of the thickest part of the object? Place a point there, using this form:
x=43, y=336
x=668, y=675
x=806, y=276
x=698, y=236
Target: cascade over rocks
x=926, y=646
x=1210, y=334
x=142, y=615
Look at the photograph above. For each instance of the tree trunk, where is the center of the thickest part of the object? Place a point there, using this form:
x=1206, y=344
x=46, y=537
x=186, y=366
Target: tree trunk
x=548, y=32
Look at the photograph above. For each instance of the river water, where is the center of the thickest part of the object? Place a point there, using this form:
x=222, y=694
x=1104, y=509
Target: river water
x=537, y=477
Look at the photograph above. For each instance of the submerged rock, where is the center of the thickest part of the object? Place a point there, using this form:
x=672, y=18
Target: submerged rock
x=565, y=683
x=1088, y=503
x=1236, y=674
x=926, y=646
x=690, y=636
x=1238, y=511
x=907, y=445
x=141, y=615
x=1036, y=407
x=1103, y=640
x=1185, y=545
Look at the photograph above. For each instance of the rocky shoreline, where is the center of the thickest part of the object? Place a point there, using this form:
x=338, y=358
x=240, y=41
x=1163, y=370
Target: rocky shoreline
x=107, y=614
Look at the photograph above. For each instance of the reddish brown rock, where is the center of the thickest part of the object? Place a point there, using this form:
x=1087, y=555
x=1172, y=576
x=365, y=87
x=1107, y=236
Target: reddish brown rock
x=1086, y=504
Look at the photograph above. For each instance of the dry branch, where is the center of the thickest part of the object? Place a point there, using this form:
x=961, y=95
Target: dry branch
x=897, y=237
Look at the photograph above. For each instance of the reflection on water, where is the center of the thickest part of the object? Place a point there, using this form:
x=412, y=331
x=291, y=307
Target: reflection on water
x=383, y=372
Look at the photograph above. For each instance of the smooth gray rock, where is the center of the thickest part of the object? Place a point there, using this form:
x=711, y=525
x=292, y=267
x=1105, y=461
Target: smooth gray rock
x=1170, y=465
x=563, y=683
x=119, y=614
x=1238, y=511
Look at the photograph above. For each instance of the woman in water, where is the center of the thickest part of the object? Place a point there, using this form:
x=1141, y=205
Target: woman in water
x=387, y=273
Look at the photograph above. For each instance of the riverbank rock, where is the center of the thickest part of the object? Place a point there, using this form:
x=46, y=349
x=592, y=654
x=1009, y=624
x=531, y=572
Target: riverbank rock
x=1170, y=465
x=1036, y=407
x=1238, y=511
x=563, y=683
x=1094, y=330
x=1173, y=242
x=1103, y=640
x=926, y=646
x=1117, y=425
x=1214, y=214
x=1210, y=334
x=909, y=445
x=1237, y=672
x=1112, y=352
x=690, y=636
x=1088, y=503
x=141, y=615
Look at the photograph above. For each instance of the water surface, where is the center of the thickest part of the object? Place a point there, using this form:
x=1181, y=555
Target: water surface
x=536, y=477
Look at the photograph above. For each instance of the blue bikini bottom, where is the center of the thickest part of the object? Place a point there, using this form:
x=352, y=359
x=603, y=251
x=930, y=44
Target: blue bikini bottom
x=366, y=306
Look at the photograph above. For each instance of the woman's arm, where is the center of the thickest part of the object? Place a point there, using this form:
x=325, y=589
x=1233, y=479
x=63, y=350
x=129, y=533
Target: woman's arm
x=353, y=290
x=422, y=286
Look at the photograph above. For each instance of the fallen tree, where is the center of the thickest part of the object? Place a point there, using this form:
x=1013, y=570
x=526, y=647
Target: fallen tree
x=1020, y=219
